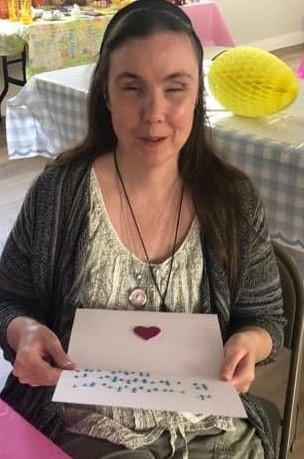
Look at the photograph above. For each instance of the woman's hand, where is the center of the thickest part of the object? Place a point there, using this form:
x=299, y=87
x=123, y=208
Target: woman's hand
x=39, y=354
x=241, y=353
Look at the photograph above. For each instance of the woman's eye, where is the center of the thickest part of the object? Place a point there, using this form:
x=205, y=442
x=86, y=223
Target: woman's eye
x=131, y=88
x=175, y=89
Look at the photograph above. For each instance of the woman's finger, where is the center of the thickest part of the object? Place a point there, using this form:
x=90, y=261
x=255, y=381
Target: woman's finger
x=244, y=374
x=40, y=358
x=40, y=372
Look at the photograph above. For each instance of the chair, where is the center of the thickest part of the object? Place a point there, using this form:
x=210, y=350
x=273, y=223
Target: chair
x=284, y=427
x=8, y=78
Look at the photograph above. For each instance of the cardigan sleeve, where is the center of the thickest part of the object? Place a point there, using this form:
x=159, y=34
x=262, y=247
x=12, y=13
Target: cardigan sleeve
x=259, y=301
x=41, y=255
x=17, y=291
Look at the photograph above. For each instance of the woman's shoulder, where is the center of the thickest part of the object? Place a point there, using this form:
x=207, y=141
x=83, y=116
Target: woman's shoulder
x=234, y=180
x=57, y=174
x=246, y=192
x=251, y=207
x=246, y=198
x=59, y=185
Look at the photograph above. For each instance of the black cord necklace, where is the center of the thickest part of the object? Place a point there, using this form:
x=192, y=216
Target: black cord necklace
x=163, y=306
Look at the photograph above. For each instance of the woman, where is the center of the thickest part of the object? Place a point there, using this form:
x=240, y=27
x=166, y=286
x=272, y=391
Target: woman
x=142, y=215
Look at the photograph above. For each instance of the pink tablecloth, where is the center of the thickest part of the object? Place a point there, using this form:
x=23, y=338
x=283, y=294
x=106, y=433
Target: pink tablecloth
x=209, y=24
x=20, y=440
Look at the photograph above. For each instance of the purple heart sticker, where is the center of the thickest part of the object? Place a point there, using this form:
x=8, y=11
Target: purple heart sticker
x=146, y=333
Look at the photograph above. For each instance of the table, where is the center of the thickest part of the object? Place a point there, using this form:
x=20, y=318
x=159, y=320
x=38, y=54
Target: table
x=10, y=45
x=56, y=44
x=19, y=439
x=49, y=113
x=75, y=41
x=11, y=42
x=274, y=159
x=8, y=78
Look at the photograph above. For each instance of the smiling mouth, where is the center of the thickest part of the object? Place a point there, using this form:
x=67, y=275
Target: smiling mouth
x=153, y=140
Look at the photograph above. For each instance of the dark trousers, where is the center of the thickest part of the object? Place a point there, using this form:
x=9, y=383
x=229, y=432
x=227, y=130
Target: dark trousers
x=242, y=443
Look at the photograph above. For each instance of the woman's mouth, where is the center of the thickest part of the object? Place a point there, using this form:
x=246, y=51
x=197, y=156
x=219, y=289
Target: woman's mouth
x=153, y=140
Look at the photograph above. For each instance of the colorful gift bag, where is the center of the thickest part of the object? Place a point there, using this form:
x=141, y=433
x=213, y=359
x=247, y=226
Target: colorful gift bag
x=300, y=71
x=3, y=9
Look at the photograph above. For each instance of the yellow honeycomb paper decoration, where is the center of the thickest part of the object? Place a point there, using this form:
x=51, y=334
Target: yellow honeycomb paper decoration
x=120, y=3
x=252, y=82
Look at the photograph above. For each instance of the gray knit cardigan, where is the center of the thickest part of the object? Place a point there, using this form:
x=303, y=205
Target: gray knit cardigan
x=43, y=257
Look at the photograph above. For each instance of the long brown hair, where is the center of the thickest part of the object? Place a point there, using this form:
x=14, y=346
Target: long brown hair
x=210, y=179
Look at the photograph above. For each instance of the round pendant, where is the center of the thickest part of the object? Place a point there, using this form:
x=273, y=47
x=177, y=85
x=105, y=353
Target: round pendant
x=138, y=297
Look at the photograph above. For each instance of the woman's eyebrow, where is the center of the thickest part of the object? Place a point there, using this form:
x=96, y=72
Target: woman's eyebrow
x=127, y=75
x=178, y=75
x=171, y=76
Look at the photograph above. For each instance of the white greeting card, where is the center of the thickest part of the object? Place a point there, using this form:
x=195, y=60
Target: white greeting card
x=149, y=360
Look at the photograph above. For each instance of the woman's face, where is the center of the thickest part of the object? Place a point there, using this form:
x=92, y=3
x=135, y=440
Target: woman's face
x=152, y=91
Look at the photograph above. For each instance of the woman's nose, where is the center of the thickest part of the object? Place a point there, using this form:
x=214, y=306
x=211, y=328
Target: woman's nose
x=154, y=107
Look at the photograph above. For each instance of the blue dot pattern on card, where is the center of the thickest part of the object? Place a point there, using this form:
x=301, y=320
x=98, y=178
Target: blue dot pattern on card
x=136, y=382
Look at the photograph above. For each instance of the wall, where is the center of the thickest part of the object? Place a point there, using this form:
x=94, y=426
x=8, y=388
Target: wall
x=269, y=24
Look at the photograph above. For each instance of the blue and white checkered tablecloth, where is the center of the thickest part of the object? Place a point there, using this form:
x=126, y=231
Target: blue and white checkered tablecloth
x=49, y=115
x=277, y=170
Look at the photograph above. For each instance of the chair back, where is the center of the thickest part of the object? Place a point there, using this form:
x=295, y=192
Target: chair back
x=293, y=298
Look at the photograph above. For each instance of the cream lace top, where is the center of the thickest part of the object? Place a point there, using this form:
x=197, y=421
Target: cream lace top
x=112, y=272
